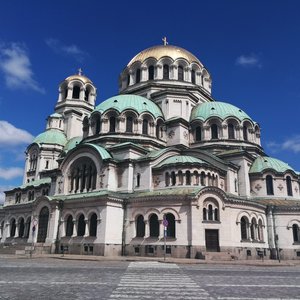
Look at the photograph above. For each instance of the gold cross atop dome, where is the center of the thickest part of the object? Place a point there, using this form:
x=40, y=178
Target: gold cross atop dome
x=164, y=39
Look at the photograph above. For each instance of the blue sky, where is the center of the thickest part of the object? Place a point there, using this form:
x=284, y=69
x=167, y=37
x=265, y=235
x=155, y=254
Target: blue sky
x=251, y=49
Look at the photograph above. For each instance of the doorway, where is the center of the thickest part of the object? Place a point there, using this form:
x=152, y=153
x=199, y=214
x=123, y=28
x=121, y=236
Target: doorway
x=212, y=240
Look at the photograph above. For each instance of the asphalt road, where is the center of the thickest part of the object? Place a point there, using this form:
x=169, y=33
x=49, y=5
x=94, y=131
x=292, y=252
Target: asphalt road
x=48, y=278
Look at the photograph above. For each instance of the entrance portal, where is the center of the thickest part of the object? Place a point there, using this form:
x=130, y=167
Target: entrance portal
x=212, y=240
x=43, y=225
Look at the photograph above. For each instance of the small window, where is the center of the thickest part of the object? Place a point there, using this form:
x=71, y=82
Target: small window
x=244, y=225
x=145, y=126
x=129, y=124
x=140, y=226
x=76, y=92
x=180, y=73
x=245, y=133
x=296, y=233
x=198, y=134
x=173, y=178
x=112, y=124
x=47, y=164
x=151, y=72
x=214, y=131
x=128, y=80
x=166, y=72
x=138, y=76
x=81, y=226
x=93, y=225
x=269, y=185
x=231, y=131
x=289, y=186
x=138, y=180
x=193, y=76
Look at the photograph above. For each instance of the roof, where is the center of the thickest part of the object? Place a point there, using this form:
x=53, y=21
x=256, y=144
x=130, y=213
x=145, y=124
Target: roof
x=102, y=151
x=82, y=78
x=160, y=51
x=46, y=180
x=179, y=160
x=263, y=163
x=72, y=143
x=221, y=110
x=56, y=115
x=51, y=136
x=133, y=102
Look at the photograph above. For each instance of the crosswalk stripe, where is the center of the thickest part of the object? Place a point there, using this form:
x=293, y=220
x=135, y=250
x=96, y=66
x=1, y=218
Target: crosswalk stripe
x=154, y=280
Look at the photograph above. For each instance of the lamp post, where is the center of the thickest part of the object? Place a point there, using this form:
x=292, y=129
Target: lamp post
x=165, y=223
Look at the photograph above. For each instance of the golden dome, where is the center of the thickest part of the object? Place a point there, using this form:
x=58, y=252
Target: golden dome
x=80, y=77
x=160, y=51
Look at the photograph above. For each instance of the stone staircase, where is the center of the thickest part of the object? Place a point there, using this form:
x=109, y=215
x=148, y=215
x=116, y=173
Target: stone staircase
x=218, y=256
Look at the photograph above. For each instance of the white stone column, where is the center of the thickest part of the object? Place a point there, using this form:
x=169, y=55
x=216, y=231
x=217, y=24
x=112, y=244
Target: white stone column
x=87, y=229
x=159, y=72
x=144, y=73
x=147, y=229
x=74, y=228
x=161, y=229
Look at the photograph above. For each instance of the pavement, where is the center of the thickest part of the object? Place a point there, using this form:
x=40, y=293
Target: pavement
x=250, y=262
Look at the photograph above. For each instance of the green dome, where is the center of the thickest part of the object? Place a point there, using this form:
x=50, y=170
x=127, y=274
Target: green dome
x=263, y=163
x=134, y=102
x=179, y=160
x=221, y=110
x=51, y=136
x=72, y=143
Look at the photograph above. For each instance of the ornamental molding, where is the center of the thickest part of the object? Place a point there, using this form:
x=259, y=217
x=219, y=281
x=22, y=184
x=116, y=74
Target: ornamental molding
x=171, y=134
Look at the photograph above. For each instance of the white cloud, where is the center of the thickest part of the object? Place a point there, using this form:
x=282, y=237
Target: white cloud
x=12, y=136
x=10, y=173
x=251, y=60
x=69, y=50
x=290, y=144
x=16, y=66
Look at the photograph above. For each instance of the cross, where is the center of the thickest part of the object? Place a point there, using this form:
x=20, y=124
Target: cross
x=79, y=71
x=164, y=39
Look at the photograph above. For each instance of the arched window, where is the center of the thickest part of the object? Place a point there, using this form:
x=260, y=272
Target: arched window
x=214, y=131
x=210, y=212
x=93, y=225
x=245, y=133
x=269, y=185
x=128, y=80
x=198, y=134
x=76, y=92
x=145, y=126
x=69, y=227
x=296, y=233
x=27, y=227
x=21, y=227
x=43, y=225
x=138, y=76
x=180, y=73
x=231, y=131
x=260, y=231
x=180, y=178
x=289, y=186
x=86, y=95
x=112, y=124
x=166, y=72
x=171, y=225
x=81, y=226
x=154, y=226
x=12, y=227
x=138, y=180
x=202, y=178
x=216, y=216
x=151, y=72
x=140, y=226
x=193, y=76
x=204, y=214
x=244, y=225
x=167, y=178
x=252, y=229
x=188, y=178
x=129, y=124
x=173, y=178
x=65, y=93
x=196, y=178
x=98, y=125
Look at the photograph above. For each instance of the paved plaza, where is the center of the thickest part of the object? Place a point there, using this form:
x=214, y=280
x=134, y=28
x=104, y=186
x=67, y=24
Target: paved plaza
x=52, y=278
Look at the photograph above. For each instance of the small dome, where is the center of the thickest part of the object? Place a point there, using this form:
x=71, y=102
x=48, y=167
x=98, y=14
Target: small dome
x=82, y=78
x=221, y=110
x=263, y=163
x=134, y=102
x=51, y=136
x=72, y=143
x=160, y=51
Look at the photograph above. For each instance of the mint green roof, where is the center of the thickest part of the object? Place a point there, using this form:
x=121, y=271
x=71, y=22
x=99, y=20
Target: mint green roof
x=222, y=110
x=36, y=182
x=263, y=163
x=102, y=151
x=51, y=136
x=179, y=160
x=72, y=143
x=134, y=102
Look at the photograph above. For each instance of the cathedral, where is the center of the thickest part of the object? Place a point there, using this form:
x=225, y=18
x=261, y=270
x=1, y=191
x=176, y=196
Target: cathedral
x=161, y=169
